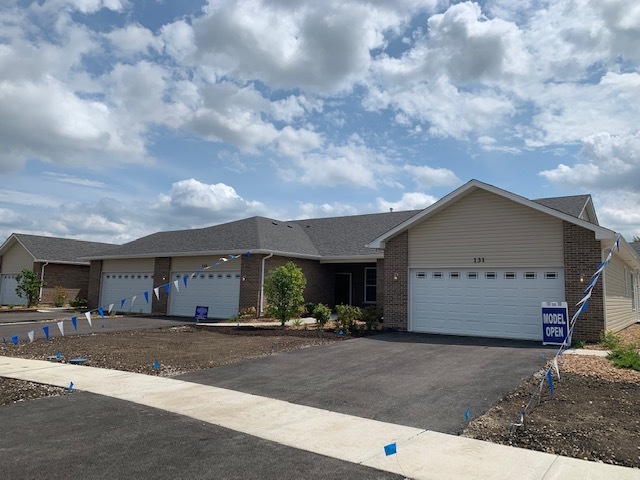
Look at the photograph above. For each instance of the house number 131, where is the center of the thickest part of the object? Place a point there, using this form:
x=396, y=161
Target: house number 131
x=478, y=259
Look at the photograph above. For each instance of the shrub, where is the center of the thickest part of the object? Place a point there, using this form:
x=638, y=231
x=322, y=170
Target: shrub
x=59, y=296
x=610, y=340
x=247, y=312
x=625, y=357
x=79, y=303
x=347, y=316
x=372, y=317
x=308, y=309
x=283, y=288
x=322, y=314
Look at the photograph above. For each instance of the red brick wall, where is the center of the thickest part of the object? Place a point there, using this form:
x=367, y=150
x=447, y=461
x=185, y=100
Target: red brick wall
x=396, y=292
x=161, y=275
x=95, y=276
x=582, y=255
x=73, y=278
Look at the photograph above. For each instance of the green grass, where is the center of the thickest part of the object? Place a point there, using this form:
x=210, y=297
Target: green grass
x=625, y=357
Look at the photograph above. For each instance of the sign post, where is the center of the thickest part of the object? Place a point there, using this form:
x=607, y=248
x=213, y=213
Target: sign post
x=555, y=323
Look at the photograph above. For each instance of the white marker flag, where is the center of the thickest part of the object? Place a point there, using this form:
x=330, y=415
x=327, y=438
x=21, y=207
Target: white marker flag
x=30, y=334
x=88, y=315
x=61, y=327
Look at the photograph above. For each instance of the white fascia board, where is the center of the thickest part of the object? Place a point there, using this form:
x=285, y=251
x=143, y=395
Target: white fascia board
x=355, y=259
x=627, y=252
x=57, y=262
x=601, y=233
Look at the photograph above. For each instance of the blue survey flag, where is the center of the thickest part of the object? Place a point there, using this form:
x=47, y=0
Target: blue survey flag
x=156, y=365
x=550, y=380
x=70, y=386
x=467, y=413
x=14, y=339
x=390, y=449
x=4, y=340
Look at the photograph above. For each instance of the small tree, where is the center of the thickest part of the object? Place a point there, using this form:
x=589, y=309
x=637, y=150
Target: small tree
x=283, y=288
x=29, y=287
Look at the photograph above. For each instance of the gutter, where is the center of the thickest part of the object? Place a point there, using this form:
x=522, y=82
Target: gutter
x=262, y=283
x=42, y=280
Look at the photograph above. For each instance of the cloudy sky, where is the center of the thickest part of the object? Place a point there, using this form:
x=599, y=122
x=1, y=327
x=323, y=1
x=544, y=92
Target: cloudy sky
x=119, y=118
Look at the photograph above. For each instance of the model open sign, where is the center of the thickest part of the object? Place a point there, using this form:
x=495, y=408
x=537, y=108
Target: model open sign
x=555, y=323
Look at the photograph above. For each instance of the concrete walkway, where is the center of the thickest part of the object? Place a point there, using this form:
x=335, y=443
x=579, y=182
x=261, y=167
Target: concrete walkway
x=422, y=454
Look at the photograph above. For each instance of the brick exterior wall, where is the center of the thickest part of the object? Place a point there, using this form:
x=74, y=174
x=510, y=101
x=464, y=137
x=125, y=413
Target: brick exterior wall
x=319, y=279
x=73, y=278
x=95, y=277
x=161, y=275
x=582, y=254
x=396, y=292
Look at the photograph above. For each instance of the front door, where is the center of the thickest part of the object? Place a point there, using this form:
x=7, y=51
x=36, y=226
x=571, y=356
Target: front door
x=343, y=288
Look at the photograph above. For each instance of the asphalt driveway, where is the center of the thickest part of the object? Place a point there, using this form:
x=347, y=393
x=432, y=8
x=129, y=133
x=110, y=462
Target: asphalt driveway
x=425, y=381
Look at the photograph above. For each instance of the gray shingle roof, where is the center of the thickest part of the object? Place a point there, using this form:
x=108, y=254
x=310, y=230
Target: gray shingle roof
x=337, y=236
x=572, y=205
x=61, y=250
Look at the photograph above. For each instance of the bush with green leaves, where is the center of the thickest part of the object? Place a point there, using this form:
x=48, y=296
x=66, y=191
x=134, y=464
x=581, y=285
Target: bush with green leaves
x=347, y=316
x=610, y=340
x=625, y=356
x=308, y=309
x=248, y=312
x=283, y=288
x=322, y=314
x=59, y=296
x=79, y=304
x=372, y=317
x=29, y=286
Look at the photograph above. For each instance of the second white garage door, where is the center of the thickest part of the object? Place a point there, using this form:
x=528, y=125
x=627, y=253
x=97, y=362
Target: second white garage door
x=219, y=291
x=501, y=303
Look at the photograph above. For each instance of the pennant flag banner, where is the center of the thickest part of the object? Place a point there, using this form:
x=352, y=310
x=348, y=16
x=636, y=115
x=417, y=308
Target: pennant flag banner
x=390, y=449
x=146, y=296
x=46, y=331
x=14, y=339
x=30, y=335
x=88, y=315
x=166, y=287
x=101, y=312
x=122, y=302
x=61, y=327
x=74, y=322
x=177, y=285
x=555, y=364
x=133, y=300
x=184, y=279
x=467, y=414
x=110, y=307
x=224, y=259
x=156, y=291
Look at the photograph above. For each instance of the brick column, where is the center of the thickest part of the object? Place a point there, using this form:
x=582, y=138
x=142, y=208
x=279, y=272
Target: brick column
x=161, y=271
x=250, y=281
x=582, y=255
x=396, y=292
x=95, y=277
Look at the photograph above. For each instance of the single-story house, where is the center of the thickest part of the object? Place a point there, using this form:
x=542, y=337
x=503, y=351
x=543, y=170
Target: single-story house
x=478, y=262
x=56, y=261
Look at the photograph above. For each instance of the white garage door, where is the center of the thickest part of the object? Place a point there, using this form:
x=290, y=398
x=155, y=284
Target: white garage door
x=501, y=303
x=119, y=286
x=8, y=295
x=220, y=291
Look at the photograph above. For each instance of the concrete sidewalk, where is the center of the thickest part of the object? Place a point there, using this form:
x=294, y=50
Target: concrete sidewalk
x=421, y=454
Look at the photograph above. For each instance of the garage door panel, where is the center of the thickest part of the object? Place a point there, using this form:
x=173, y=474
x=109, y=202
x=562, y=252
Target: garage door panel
x=497, y=302
x=116, y=287
x=219, y=291
x=8, y=295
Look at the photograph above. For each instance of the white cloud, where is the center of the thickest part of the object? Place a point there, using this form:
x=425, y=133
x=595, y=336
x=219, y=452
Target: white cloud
x=134, y=39
x=74, y=180
x=409, y=201
x=428, y=177
x=619, y=209
x=335, y=209
x=8, y=217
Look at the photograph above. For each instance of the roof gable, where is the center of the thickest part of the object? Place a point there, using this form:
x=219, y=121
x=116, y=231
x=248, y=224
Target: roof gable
x=461, y=192
x=54, y=249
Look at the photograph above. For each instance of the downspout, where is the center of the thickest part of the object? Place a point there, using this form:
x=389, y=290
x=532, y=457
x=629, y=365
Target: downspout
x=42, y=281
x=262, y=283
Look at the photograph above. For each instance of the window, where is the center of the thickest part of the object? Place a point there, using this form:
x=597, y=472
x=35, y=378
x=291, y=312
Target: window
x=437, y=274
x=510, y=275
x=490, y=275
x=421, y=275
x=454, y=274
x=472, y=275
x=550, y=275
x=530, y=275
x=370, y=284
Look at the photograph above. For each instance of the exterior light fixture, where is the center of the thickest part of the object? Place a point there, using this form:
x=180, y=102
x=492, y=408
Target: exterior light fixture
x=395, y=277
x=244, y=279
x=582, y=278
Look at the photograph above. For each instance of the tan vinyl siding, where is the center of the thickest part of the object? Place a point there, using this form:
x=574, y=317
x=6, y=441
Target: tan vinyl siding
x=487, y=226
x=618, y=300
x=137, y=265
x=16, y=259
x=193, y=264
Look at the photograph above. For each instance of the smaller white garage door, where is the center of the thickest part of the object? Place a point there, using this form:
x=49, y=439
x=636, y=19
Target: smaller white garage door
x=220, y=291
x=501, y=303
x=119, y=286
x=8, y=295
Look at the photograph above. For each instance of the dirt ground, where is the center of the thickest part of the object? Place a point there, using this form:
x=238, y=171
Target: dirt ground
x=594, y=413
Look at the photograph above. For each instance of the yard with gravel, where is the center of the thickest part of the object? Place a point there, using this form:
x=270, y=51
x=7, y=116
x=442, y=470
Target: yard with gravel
x=594, y=412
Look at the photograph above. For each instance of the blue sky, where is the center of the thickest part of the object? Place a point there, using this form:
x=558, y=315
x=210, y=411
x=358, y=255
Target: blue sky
x=120, y=118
